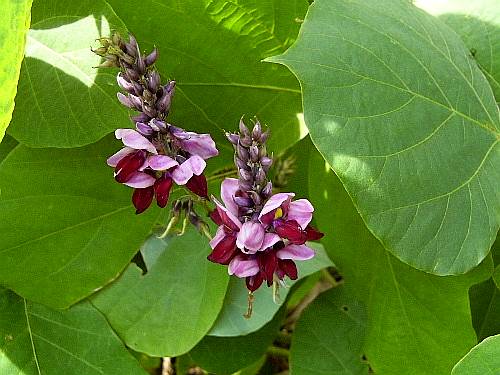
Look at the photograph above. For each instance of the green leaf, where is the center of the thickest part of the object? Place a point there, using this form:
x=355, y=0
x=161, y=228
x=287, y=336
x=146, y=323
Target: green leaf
x=167, y=311
x=414, y=318
x=67, y=227
x=396, y=105
x=38, y=340
x=477, y=23
x=213, y=49
x=328, y=338
x=239, y=352
x=63, y=101
x=13, y=26
x=231, y=322
x=483, y=359
x=496, y=276
x=485, y=308
x=6, y=146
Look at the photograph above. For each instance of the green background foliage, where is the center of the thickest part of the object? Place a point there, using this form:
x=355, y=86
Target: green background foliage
x=402, y=165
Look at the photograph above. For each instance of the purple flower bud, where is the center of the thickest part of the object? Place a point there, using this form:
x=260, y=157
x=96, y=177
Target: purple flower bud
x=130, y=49
x=257, y=131
x=141, y=65
x=246, y=175
x=163, y=104
x=241, y=164
x=245, y=185
x=170, y=87
x=158, y=125
x=255, y=197
x=242, y=153
x=125, y=100
x=262, y=151
x=264, y=137
x=254, y=153
x=246, y=141
x=143, y=128
x=233, y=138
x=151, y=58
x=132, y=74
x=243, y=129
x=141, y=117
x=124, y=83
x=260, y=176
x=243, y=202
x=136, y=101
x=150, y=111
x=266, y=162
x=138, y=88
x=268, y=190
x=153, y=81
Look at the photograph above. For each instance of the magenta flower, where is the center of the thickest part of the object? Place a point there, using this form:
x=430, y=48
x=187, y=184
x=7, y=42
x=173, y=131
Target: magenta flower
x=263, y=248
x=144, y=164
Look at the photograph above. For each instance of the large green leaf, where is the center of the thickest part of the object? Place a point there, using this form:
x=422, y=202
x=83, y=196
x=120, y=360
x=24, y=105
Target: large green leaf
x=485, y=308
x=396, y=105
x=168, y=310
x=483, y=359
x=67, y=227
x=6, y=146
x=231, y=322
x=213, y=49
x=328, y=338
x=14, y=23
x=38, y=340
x=418, y=324
x=239, y=352
x=62, y=100
x=478, y=24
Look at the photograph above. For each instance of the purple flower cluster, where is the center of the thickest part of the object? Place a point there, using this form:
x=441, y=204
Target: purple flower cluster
x=156, y=154
x=260, y=235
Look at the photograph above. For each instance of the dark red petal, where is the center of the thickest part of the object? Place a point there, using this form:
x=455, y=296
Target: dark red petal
x=198, y=185
x=162, y=188
x=313, y=234
x=142, y=199
x=224, y=218
x=214, y=215
x=289, y=268
x=254, y=282
x=268, y=262
x=224, y=251
x=291, y=230
x=128, y=165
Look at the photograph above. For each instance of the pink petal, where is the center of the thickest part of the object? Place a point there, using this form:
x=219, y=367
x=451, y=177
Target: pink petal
x=301, y=211
x=228, y=219
x=219, y=235
x=161, y=162
x=140, y=180
x=135, y=140
x=250, y=237
x=227, y=191
x=295, y=252
x=115, y=158
x=197, y=144
x=269, y=240
x=193, y=165
x=273, y=203
x=243, y=268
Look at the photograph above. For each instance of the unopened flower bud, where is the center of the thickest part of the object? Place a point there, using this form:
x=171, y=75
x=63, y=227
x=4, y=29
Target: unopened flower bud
x=241, y=164
x=266, y=162
x=143, y=128
x=246, y=175
x=136, y=101
x=243, y=129
x=260, y=176
x=243, y=202
x=242, y=153
x=124, y=83
x=254, y=153
x=125, y=100
x=132, y=74
x=255, y=198
x=151, y=58
x=153, y=81
x=141, y=65
x=246, y=141
x=257, y=131
x=233, y=138
x=268, y=190
x=245, y=185
x=264, y=137
x=170, y=87
x=163, y=104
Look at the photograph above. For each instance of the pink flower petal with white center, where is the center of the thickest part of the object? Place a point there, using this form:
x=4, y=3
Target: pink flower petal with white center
x=140, y=180
x=269, y=240
x=295, y=252
x=160, y=162
x=227, y=191
x=301, y=211
x=134, y=139
x=193, y=165
x=228, y=219
x=273, y=203
x=250, y=237
x=243, y=268
x=219, y=235
x=115, y=158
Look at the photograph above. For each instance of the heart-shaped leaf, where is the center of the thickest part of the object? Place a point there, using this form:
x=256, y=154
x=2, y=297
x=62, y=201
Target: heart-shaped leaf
x=67, y=227
x=483, y=359
x=396, y=105
x=329, y=335
x=169, y=309
x=37, y=340
x=62, y=100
